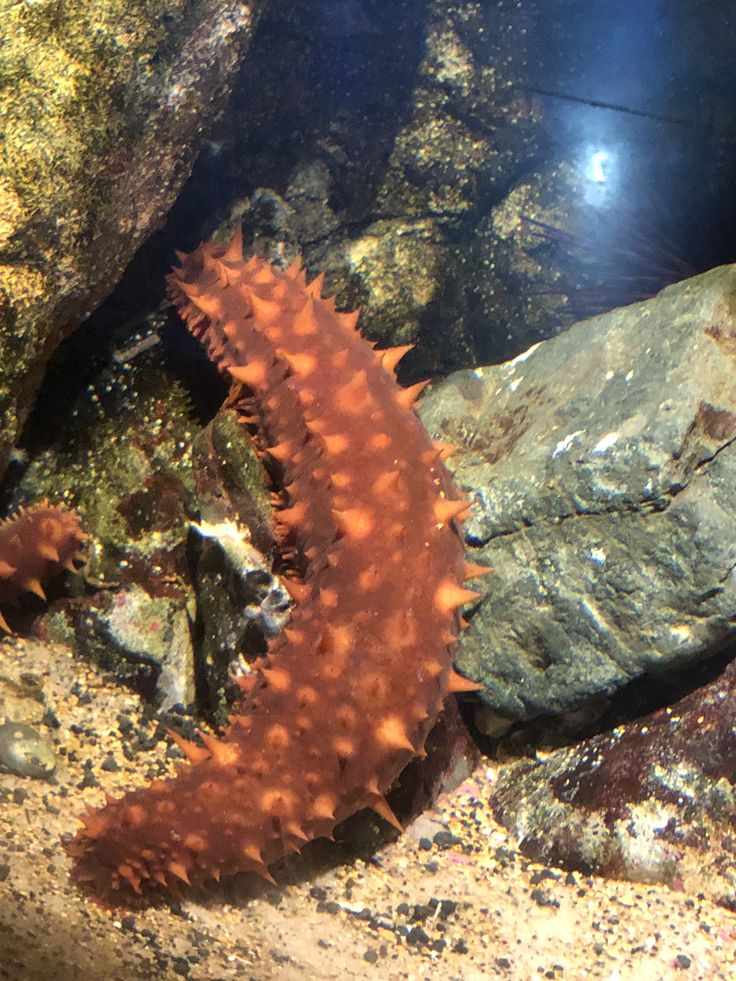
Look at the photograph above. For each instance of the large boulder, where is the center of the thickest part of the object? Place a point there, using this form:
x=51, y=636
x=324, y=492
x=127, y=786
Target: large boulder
x=104, y=108
x=603, y=468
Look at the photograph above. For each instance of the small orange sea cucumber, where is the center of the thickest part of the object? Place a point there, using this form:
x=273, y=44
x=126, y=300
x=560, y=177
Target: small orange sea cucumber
x=349, y=691
x=36, y=544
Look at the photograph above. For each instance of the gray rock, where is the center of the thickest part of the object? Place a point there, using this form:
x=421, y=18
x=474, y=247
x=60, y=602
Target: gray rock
x=144, y=639
x=602, y=465
x=24, y=751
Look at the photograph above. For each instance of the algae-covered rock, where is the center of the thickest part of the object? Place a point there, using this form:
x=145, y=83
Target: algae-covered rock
x=653, y=800
x=104, y=106
x=378, y=148
x=124, y=462
x=136, y=464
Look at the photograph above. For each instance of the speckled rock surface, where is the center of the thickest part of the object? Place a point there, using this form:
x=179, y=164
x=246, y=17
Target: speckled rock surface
x=451, y=898
x=376, y=147
x=652, y=801
x=24, y=751
x=103, y=107
x=602, y=463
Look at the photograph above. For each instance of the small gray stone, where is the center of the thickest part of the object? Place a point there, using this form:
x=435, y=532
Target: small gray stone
x=25, y=752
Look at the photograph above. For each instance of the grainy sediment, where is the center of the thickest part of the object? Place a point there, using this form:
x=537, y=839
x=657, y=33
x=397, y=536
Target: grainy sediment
x=451, y=898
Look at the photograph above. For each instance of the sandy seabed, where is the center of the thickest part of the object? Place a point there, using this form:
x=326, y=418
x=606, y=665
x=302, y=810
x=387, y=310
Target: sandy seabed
x=452, y=898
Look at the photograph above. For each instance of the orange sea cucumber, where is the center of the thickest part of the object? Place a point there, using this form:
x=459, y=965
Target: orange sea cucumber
x=351, y=688
x=36, y=544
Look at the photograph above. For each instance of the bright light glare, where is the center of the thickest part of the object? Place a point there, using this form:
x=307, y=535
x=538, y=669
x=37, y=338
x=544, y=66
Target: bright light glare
x=598, y=165
x=599, y=169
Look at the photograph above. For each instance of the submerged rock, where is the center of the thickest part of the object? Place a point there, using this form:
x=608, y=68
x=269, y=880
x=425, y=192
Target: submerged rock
x=376, y=149
x=103, y=107
x=652, y=801
x=603, y=467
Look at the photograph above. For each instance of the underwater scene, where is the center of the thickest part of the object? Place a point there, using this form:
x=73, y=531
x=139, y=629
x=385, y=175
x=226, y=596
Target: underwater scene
x=367, y=490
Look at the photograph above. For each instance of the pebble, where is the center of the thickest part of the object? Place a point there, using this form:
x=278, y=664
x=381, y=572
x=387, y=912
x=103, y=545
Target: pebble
x=24, y=751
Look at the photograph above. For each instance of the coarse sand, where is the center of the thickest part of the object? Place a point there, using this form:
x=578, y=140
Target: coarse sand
x=452, y=898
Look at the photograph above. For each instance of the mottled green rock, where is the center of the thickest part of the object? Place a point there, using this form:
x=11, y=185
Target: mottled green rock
x=124, y=461
x=104, y=106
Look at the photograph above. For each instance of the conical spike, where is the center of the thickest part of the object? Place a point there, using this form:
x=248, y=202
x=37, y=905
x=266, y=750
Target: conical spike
x=130, y=877
x=390, y=356
x=33, y=585
x=246, y=682
x=47, y=551
x=349, y=319
x=234, y=250
x=294, y=516
x=194, y=753
x=6, y=570
x=407, y=396
x=189, y=290
x=385, y=483
x=4, y=625
x=254, y=375
x=380, y=805
x=283, y=452
x=444, y=450
x=314, y=289
x=457, y=683
x=294, y=268
x=323, y=807
x=446, y=511
x=279, y=679
x=305, y=322
x=178, y=869
x=473, y=571
x=265, y=311
x=294, y=829
x=299, y=591
x=221, y=752
x=449, y=596
x=253, y=852
x=391, y=732
x=262, y=871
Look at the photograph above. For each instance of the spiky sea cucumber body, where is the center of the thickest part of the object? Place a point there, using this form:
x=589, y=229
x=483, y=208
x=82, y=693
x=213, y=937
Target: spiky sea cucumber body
x=36, y=544
x=350, y=690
